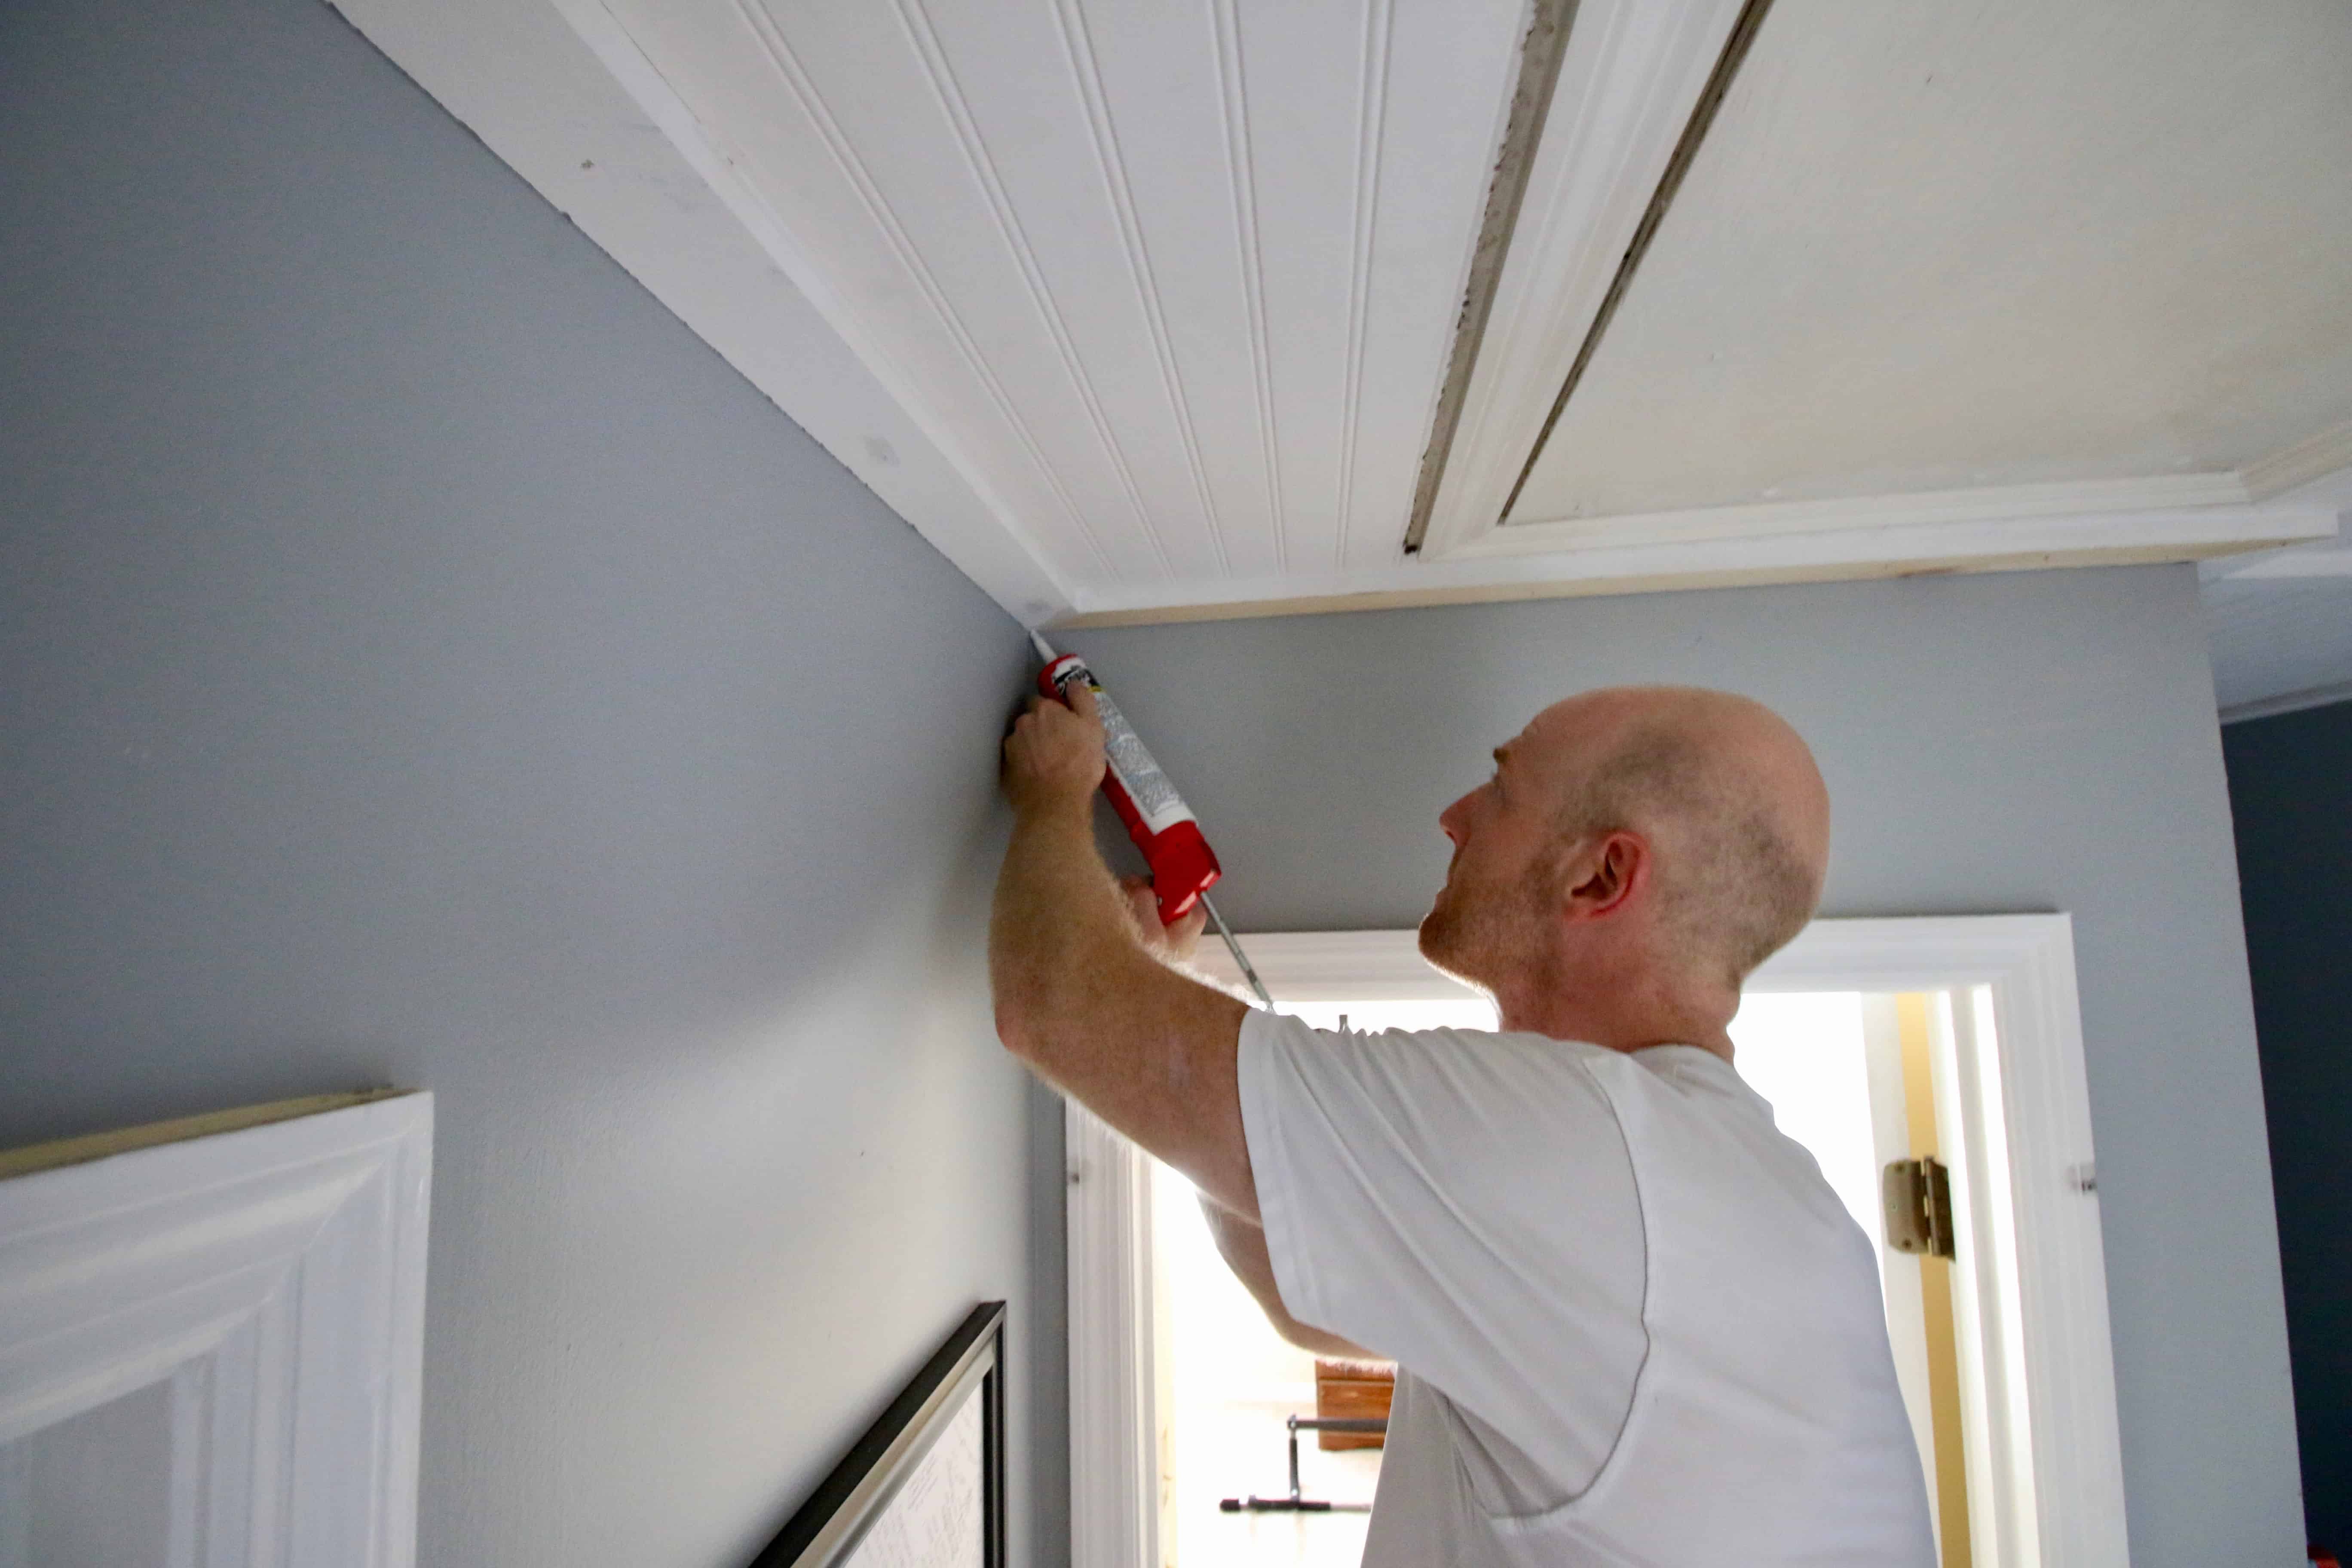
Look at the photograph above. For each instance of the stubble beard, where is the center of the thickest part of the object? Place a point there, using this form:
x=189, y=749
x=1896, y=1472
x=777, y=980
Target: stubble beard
x=1484, y=936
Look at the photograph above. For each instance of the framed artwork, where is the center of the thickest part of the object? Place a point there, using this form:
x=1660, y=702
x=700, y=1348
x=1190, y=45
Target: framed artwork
x=924, y=1487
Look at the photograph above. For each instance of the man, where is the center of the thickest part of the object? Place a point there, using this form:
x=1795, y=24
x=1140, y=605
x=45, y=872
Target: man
x=1632, y=1323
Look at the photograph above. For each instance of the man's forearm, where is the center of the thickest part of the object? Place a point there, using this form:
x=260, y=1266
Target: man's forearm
x=1079, y=998
x=1057, y=926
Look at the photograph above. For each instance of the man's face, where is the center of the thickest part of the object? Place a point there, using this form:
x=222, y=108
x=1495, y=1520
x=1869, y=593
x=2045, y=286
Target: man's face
x=1491, y=918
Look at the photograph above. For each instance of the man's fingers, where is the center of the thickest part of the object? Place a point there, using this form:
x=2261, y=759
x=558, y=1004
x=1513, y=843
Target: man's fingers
x=1082, y=700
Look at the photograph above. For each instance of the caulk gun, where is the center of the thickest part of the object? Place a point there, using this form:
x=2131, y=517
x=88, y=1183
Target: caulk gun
x=1183, y=866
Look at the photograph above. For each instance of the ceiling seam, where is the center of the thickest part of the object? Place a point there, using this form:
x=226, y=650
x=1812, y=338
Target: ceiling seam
x=916, y=22
x=1541, y=49
x=794, y=77
x=1078, y=44
x=1232, y=105
x=1371, y=111
x=1702, y=117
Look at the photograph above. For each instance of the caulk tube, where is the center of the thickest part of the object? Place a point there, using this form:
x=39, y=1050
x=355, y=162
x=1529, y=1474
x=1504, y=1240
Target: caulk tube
x=1182, y=864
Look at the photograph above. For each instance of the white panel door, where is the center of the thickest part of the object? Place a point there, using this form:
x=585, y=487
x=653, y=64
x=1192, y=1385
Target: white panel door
x=210, y=1347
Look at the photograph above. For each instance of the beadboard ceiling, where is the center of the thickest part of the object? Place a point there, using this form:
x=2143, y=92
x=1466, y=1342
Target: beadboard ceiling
x=1141, y=309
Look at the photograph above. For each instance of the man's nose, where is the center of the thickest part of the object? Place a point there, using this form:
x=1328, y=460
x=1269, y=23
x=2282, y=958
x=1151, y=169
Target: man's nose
x=1449, y=821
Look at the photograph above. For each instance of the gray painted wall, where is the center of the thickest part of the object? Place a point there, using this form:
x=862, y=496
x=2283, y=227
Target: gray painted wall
x=427, y=664
x=2000, y=743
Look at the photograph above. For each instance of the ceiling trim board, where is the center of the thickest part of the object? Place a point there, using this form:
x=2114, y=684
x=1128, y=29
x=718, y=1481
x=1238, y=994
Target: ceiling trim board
x=1550, y=25
x=1695, y=130
x=1631, y=74
x=2281, y=565
x=2288, y=702
x=2292, y=468
x=2014, y=544
x=1992, y=503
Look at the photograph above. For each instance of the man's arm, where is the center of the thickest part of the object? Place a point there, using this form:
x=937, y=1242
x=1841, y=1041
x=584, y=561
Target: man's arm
x=1243, y=1247
x=1079, y=998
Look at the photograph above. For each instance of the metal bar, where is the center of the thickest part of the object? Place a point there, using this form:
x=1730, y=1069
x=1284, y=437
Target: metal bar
x=1234, y=946
x=1540, y=50
x=1710, y=99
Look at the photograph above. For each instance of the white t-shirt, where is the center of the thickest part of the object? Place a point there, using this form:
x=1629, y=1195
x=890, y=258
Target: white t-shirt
x=1632, y=1323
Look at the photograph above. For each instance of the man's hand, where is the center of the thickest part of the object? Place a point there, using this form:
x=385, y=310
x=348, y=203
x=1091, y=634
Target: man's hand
x=1054, y=758
x=1168, y=943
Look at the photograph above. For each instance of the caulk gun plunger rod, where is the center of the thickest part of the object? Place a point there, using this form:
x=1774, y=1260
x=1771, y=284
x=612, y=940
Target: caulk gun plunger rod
x=1234, y=946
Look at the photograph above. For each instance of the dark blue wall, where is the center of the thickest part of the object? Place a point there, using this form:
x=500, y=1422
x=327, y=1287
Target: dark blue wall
x=426, y=663
x=2291, y=789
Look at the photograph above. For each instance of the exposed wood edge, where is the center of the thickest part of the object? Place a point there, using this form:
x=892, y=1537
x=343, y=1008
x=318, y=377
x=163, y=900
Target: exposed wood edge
x=91, y=1146
x=1989, y=503
x=1651, y=583
x=1812, y=558
x=2291, y=468
x=1626, y=86
x=2286, y=702
x=1678, y=164
x=1541, y=52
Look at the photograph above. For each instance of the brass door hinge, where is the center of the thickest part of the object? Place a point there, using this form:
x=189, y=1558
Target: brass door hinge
x=1918, y=1201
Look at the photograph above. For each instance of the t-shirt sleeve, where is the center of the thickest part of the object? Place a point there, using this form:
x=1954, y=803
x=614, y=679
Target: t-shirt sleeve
x=1463, y=1203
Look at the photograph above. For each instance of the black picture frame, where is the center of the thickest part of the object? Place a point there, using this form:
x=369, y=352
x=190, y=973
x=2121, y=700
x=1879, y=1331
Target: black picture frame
x=846, y=1504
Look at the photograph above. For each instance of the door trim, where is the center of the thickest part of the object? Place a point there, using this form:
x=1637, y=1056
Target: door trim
x=274, y=1278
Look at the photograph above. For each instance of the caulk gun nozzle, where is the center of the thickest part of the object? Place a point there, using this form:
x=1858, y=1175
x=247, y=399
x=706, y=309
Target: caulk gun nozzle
x=1044, y=649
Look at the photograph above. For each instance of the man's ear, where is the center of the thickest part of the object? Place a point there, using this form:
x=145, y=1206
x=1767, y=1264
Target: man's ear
x=1604, y=872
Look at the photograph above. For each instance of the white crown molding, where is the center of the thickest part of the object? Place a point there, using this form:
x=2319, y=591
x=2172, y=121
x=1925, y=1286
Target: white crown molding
x=1990, y=503
x=2288, y=702
x=2292, y=468
x=2004, y=545
x=274, y=1278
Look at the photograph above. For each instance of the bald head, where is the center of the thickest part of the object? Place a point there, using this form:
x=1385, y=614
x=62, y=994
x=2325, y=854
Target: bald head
x=1722, y=786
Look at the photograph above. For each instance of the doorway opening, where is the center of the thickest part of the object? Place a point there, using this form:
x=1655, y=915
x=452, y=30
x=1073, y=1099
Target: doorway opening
x=1931, y=1065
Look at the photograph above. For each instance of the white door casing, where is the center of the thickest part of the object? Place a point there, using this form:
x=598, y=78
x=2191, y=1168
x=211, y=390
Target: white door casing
x=255, y=1300
x=2008, y=1049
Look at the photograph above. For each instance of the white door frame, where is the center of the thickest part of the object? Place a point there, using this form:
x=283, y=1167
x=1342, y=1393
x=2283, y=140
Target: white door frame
x=2010, y=1055
x=273, y=1277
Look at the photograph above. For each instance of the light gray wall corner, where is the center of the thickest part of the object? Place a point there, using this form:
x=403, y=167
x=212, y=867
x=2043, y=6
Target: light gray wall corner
x=2026, y=742
x=429, y=663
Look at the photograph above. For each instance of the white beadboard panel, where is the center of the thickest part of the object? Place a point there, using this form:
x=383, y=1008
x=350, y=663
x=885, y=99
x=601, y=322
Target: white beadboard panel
x=831, y=117
x=1141, y=249
x=1927, y=248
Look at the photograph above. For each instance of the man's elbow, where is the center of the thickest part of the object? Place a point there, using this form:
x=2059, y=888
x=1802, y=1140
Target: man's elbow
x=1015, y=1027
x=1025, y=1019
